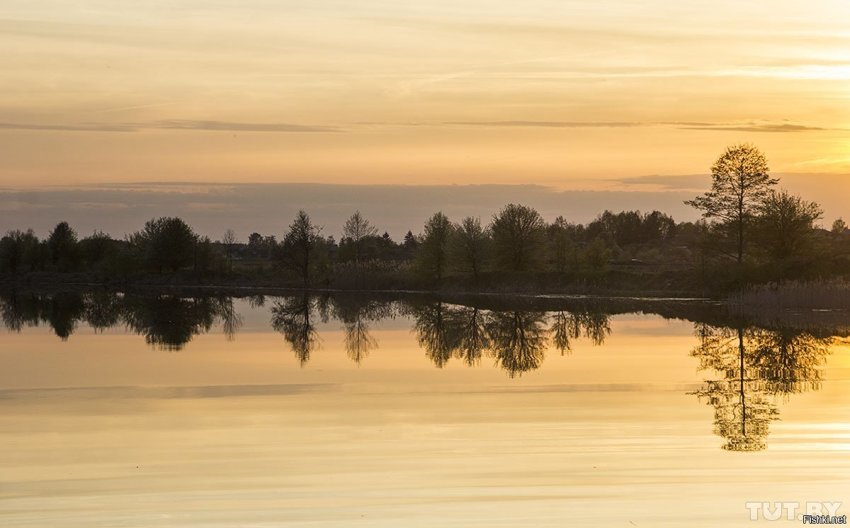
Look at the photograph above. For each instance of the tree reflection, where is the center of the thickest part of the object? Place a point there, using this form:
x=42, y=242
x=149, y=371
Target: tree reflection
x=293, y=318
x=755, y=364
x=20, y=310
x=565, y=329
x=473, y=339
x=61, y=311
x=789, y=362
x=569, y=326
x=231, y=321
x=103, y=310
x=168, y=322
x=436, y=332
x=518, y=340
x=356, y=315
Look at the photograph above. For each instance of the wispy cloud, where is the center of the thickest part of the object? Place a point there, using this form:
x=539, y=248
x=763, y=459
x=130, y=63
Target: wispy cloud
x=94, y=127
x=172, y=124
x=231, y=126
x=756, y=128
x=187, y=124
x=550, y=124
x=728, y=127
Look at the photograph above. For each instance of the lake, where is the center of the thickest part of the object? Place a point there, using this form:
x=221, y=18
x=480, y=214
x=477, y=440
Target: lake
x=397, y=411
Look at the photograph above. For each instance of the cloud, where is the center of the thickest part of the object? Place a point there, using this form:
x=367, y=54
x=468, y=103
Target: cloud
x=780, y=128
x=234, y=126
x=550, y=124
x=685, y=125
x=690, y=182
x=186, y=124
x=172, y=124
x=95, y=127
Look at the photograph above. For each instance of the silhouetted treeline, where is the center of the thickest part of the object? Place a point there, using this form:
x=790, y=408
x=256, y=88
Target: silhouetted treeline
x=517, y=250
x=750, y=234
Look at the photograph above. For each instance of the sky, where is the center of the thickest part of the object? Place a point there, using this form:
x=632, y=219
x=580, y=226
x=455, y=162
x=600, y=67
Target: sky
x=592, y=96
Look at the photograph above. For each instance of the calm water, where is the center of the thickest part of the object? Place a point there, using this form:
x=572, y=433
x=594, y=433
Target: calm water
x=305, y=411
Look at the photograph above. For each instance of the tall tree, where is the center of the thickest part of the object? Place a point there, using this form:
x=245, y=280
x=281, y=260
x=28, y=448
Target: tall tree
x=166, y=242
x=560, y=247
x=19, y=251
x=62, y=244
x=434, y=246
x=740, y=182
x=786, y=225
x=469, y=245
x=229, y=240
x=356, y=231
x=518, y=237
x=299, y=246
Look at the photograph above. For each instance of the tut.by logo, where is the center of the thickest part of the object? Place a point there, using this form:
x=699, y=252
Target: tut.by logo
x=807, y=512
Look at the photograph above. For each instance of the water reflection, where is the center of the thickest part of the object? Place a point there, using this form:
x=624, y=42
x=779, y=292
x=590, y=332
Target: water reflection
x=357, y=316
x=754, y=365
x=568, y=326
x=516, y=340
x=747, y=369
x=167, y=322
x=293, y=317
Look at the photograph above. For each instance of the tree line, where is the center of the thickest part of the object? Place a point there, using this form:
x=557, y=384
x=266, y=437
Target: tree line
x=750, y=232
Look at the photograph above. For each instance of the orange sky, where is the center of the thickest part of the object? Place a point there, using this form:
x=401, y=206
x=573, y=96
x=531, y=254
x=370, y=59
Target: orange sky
x=568, y=94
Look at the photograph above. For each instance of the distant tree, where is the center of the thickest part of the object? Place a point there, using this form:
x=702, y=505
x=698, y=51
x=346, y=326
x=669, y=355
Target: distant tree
x=228, y=241
x=658, y=226
x=517, y=237
x=434, y=246
x=299, y=246
x=786, y=224
x=409, y=244
x=596, y=255
x=166, y=243
x=740, y=184
x=356, y=231
x=96, y=247
x=205, y=256
x=62, y=245
x=561, y=250
x=839, y=227
x=469, y=245
x=270, y=246
x=632, y=227
x=20, y=251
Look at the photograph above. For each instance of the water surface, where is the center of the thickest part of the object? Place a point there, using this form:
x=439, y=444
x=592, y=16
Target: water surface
x=121, y=410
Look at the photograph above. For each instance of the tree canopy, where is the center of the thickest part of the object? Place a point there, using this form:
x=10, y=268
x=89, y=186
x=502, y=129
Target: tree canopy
x=740, y=182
